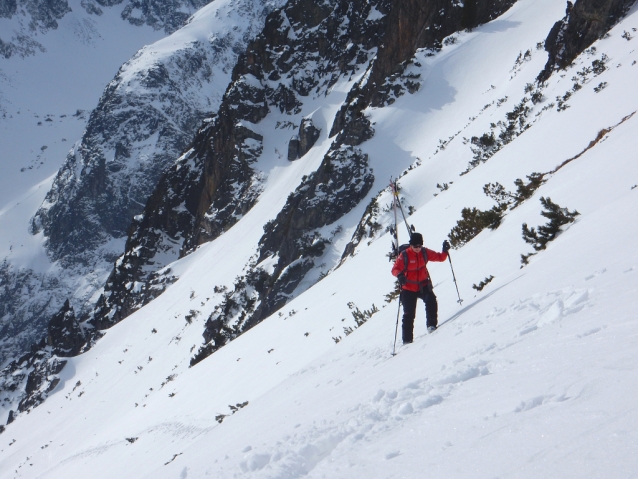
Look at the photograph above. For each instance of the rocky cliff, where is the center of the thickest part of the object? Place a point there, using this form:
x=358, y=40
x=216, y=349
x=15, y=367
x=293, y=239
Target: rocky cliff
x=585, y=22
x=215, y=182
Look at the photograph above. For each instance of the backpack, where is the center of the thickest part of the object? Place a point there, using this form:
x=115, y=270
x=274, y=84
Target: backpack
x=404, y=253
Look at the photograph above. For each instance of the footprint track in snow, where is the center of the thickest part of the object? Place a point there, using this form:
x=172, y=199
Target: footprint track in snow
x=539, y=401
x=298, y=453
x=548, y=308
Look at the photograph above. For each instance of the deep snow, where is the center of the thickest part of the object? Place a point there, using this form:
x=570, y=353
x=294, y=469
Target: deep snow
x=533, y=376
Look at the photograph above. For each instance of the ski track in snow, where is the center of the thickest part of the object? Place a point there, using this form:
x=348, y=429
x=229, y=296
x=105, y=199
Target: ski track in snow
x=298, y=454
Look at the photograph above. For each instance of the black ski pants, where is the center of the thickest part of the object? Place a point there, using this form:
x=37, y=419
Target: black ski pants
x=409, y=300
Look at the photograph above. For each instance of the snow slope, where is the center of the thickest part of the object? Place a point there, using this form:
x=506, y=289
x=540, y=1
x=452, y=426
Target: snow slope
x=533, y=376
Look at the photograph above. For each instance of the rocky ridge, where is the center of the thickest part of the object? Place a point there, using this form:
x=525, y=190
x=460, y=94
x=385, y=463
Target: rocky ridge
x=272, y=79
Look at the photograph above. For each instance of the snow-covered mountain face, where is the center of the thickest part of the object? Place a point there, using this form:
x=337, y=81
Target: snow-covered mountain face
x=283, y=98
x=25, y=21
x=44, y=104
x=523, y=379
x=144, y=120
x=146, y=116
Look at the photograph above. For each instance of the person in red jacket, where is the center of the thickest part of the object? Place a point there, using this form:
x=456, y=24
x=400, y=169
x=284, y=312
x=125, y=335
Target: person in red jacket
x=412, y=273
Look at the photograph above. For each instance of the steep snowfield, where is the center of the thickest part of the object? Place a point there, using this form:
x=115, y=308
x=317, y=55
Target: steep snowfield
x=533, y=376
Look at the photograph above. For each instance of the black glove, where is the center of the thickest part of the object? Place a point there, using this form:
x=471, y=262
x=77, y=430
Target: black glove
x=402, y=279
x=446, y=246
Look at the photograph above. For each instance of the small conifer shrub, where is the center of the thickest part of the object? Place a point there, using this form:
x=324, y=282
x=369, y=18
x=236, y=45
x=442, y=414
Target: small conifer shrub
x=394, y=294
x=361, y=317
x=482, y=284
x=540, y=236
x=472, y=222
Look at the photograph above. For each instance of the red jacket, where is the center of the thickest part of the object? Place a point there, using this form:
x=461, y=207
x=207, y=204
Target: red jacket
x=417, y=272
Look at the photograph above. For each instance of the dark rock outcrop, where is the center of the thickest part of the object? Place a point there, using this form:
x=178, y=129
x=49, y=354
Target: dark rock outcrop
x=27, y=381
x=214, y=183
x=301, y=143
x=585, y=22
x=308, y=136
x=31, y=378
x=414, y=24
x=65, y=336
x=341, y=182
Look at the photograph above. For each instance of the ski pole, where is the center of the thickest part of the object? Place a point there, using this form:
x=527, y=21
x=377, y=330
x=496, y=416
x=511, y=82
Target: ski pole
x=460, y=301
x=396, y=329
x=395, y=247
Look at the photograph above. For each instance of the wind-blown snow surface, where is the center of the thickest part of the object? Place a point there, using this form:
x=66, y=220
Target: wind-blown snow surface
x=534, y=376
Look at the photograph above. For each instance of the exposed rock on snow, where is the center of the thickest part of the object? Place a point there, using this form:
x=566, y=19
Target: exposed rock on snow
x=65, y=334
x=29, y=380
x=585, y=22
x=413, y=25
x=301, y=143
x=215, y=183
